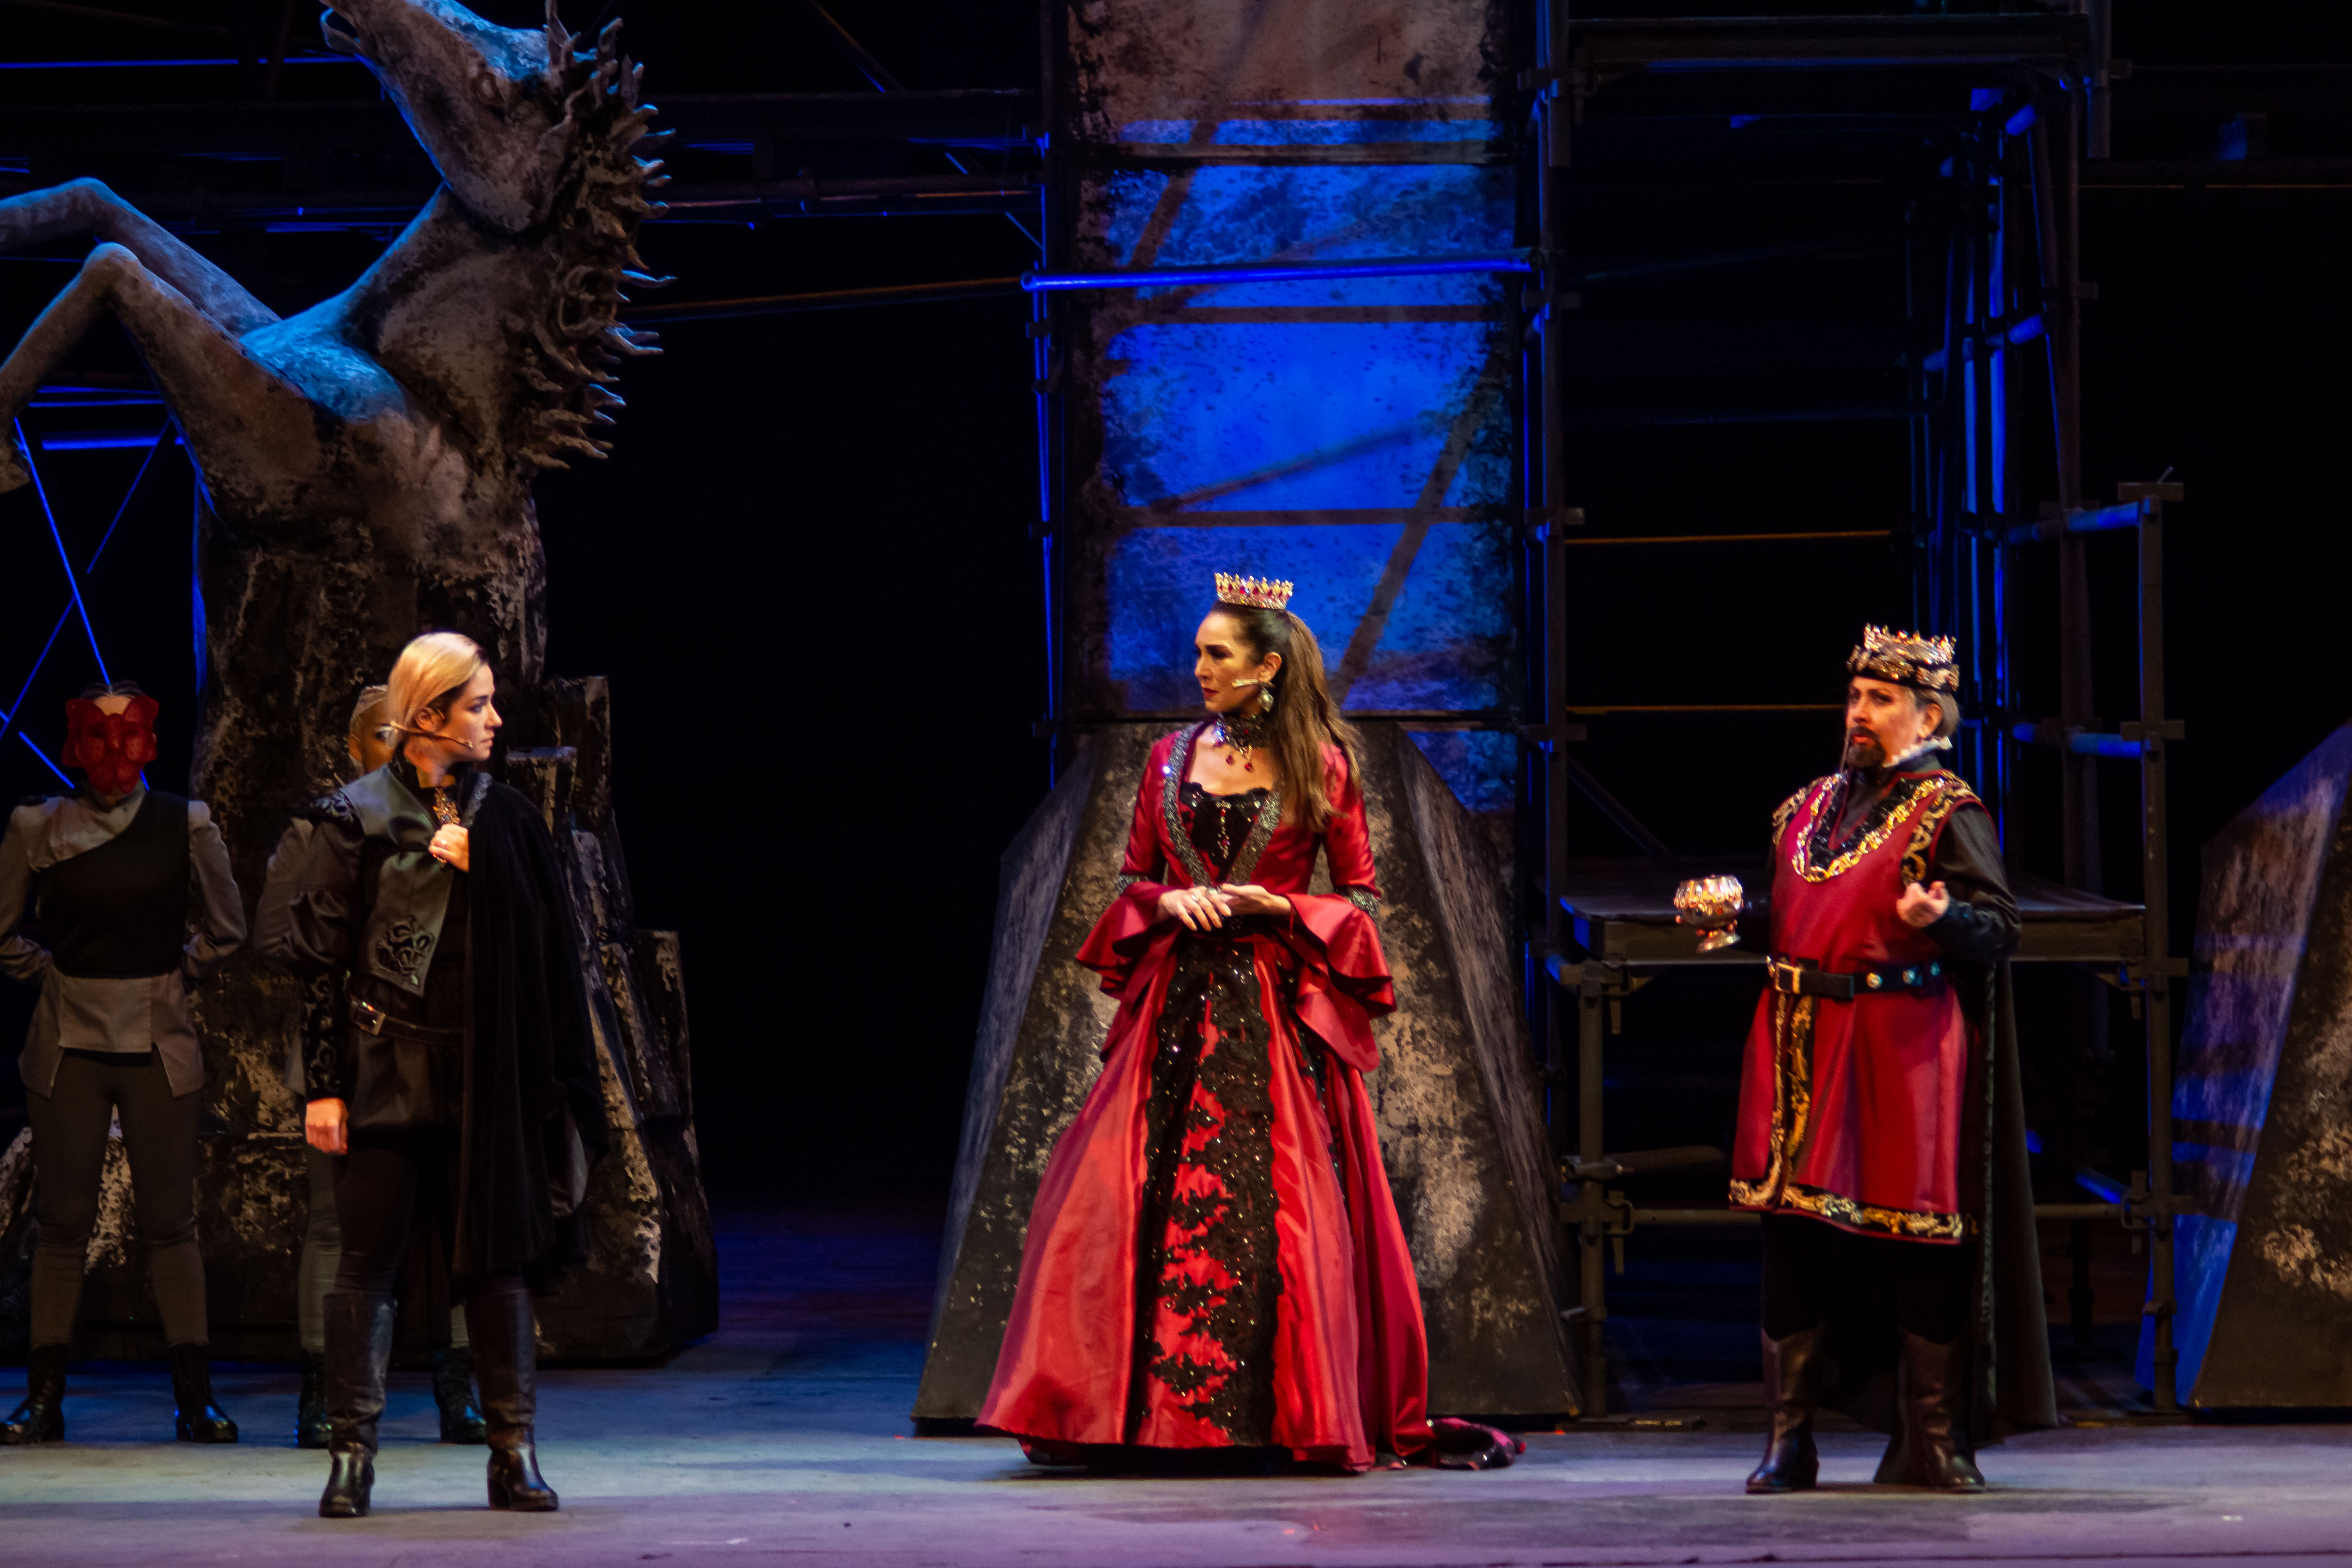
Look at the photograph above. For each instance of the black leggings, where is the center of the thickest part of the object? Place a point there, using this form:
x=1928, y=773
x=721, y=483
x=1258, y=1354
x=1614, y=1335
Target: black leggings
x=159, y=1137
x=1809, y=1266
x=386, y=1184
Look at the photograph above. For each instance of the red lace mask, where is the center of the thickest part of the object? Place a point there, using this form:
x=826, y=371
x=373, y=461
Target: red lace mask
x=111, y=748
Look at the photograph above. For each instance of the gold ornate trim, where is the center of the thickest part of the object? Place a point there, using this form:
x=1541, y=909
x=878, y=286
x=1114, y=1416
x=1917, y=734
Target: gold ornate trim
x=1928, y=794
x=1792, y=1084
x=1955, y=795
x=1788, y=808
x=1793, y=1099
x=1904, y=1224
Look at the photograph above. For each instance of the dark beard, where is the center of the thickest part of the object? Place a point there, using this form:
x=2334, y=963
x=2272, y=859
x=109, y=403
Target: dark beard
x=1862, y=752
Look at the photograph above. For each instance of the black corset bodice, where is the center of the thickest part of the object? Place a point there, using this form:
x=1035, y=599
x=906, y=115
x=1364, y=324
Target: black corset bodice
x=1218, y=824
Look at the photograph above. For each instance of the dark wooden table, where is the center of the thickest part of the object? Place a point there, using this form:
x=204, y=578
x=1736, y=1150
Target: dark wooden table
x=1624, y=913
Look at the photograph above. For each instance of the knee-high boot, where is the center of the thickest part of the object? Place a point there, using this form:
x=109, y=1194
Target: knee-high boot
x=499, y=1322
x=1791, y=1391
x=311, y=1428
x=1933, y=1447
x=41, y=1419
x=196, y=1416
x=359, y=1346
x=452, y=1394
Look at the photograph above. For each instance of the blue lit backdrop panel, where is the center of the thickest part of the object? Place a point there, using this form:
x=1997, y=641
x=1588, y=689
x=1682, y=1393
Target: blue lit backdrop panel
x=1445, y=646
x=1356, y=436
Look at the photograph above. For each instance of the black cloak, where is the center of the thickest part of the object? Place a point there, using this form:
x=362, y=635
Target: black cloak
x=534, y=1104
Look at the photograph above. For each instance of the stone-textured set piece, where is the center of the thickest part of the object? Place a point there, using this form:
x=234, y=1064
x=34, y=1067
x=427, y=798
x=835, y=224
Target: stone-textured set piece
x=2262, y=1104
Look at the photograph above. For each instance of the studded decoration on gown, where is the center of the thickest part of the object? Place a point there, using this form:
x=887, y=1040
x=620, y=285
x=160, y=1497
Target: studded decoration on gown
x=1207, y=1278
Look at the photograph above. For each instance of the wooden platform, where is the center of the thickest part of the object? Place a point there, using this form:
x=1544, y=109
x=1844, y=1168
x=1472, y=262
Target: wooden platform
x=1625, y=913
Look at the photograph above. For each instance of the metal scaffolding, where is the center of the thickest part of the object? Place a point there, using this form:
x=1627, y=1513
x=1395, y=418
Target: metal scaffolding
x=2004, y=194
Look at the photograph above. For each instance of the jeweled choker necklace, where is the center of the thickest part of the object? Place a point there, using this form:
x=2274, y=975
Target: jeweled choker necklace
x=1239, y=734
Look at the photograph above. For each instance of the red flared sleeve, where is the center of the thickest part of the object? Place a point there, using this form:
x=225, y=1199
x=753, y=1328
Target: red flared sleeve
x=1133, y=926
x=1347, y=983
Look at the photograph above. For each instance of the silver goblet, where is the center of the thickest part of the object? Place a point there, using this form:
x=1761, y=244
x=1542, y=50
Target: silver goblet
x=1713, y=905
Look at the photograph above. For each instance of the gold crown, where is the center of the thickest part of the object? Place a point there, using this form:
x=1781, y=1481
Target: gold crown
x=1256, y=592
x=1906, y=659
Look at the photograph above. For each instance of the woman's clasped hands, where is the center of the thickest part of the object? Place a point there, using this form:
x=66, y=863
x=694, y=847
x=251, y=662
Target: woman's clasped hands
x=1208, y=909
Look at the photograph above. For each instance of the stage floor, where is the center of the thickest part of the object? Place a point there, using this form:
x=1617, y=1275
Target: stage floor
x=785, y=1436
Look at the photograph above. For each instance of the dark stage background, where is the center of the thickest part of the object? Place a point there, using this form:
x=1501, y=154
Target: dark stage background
x=807, y=568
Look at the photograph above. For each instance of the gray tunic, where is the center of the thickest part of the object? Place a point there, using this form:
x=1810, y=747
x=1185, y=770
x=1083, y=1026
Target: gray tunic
x=83, y=1013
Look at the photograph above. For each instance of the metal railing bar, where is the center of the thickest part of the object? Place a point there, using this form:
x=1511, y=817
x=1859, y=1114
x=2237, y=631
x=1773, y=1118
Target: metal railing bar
x=1733, y=538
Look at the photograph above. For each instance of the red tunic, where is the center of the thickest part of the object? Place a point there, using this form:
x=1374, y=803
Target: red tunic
x=1329, y=1294
x=1855, y=1113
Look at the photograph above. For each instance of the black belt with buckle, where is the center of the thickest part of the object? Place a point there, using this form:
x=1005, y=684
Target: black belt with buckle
x=371, y=1019
x=1801, y=977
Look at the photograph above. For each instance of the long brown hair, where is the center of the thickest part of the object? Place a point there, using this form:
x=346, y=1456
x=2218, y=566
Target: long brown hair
x=1305, y=718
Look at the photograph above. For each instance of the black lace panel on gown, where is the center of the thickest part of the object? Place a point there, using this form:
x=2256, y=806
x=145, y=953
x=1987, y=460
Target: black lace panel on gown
x=1218, y=824
x=1208, y=1276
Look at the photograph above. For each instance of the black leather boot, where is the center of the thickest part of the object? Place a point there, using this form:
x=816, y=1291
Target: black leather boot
x=1932, y=1449
x=1791, y=1391
x=196, y=1419
x=41, y=1419
x=350, y=1481
x=311, y=1427
x=506, y=1359
x=453, y=1391
x=359, y=1345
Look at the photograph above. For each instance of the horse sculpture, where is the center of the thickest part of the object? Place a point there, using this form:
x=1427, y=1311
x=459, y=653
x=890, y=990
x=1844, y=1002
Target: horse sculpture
x=367, y=463
x=364, y=473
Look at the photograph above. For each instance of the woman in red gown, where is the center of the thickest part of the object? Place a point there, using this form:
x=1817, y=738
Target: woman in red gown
x=1215, y=1260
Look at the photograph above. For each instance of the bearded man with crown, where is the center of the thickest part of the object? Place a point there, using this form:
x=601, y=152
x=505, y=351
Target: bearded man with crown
x=1881, y=1130
x=1214, y=1270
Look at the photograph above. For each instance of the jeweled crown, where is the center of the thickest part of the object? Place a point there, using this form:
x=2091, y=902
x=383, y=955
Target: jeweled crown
x=1906, y=659
x=1256, y=593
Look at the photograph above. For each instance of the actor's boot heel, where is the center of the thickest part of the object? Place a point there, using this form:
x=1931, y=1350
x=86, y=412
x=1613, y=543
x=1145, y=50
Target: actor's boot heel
x=1791, y=1385
x=514, y=1477
x=350, y=1482
x=41, y=1419
x=195, y=1418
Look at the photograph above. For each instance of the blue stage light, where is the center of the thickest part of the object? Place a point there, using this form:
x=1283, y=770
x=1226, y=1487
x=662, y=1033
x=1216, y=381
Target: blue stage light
x=47, y=763
x=72, y=581
x=1279, y=272
x=2107, y=1189
x=97, y=440
x=120, y=65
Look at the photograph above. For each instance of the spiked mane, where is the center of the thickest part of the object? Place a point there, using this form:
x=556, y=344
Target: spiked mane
x=578, y=340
